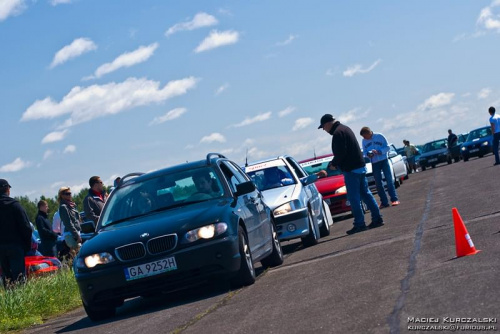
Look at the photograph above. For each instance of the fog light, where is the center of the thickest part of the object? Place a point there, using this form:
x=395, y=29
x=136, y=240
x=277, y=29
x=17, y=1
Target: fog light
x=291, y=227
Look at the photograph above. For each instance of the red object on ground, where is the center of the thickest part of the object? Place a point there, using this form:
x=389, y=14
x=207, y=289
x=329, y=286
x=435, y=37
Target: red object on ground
x=463, y=242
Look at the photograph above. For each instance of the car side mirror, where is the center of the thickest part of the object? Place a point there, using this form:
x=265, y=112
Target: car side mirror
x=245, y=188
x=308, y=179
x=88, y=227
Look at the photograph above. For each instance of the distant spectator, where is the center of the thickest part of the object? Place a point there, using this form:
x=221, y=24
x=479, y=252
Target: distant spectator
x=452, y=139
x=15, y=236
x=57, y=224
x=411, y=152
x=70, y=218
x=375, y=147
x=95, y=199
x=48, y=237
x=495, y=131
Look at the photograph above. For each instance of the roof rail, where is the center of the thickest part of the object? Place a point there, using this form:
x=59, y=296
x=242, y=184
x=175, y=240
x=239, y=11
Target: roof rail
x=209, y=156
x=129, y=175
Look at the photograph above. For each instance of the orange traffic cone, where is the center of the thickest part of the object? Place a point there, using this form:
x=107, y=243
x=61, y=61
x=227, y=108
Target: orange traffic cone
x=463, y=242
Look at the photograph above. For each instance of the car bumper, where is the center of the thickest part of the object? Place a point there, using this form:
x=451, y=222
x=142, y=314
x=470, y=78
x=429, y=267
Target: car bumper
x=292, y=225
x=338, y=204
x=195, y=264
x=434, y=161
x=474, y=152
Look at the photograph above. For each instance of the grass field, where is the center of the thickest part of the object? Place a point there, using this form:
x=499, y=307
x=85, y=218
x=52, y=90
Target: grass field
x=39, y=299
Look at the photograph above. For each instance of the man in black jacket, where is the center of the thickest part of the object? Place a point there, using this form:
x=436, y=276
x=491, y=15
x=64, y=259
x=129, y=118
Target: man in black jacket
x=15, y=236
x=48, y=237
x=95, y=199
x=348, y=158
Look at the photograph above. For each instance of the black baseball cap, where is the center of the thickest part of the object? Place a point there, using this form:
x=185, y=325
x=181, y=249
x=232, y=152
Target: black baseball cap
x=325, y=119
x=4, y=183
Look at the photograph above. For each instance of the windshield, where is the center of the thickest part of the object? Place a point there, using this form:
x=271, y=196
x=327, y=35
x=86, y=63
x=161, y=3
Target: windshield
x=161, y=193
x=312, y=167
x=479, y=133
x=272, y=177
x=435, y=145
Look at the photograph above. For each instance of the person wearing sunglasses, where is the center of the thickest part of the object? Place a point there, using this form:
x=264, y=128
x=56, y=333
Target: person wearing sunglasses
x=70, y=218
x=95, y=199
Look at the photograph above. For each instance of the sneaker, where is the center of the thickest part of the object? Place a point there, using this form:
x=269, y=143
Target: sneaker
x=376, y=224
x=496, y=163
x=395, y=203
x=356, y=229
x=383, y=206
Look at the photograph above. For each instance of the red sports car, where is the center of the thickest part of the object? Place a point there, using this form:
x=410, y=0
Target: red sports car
x=39, y=265
x=331, y=187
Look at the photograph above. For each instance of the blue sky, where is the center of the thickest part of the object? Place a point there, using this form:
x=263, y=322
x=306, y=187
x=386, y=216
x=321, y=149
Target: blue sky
x=105, y=88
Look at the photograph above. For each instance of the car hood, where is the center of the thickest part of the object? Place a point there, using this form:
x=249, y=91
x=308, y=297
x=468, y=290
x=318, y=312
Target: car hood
x=431, y=153
x=477, y=141
x=278, y=196
x=329, y=184
x=177, y=220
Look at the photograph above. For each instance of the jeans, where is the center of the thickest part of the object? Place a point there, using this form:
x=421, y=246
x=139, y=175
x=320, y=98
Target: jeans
x=12, y=262
x=378, y=168
x=357, y=190
x=496, y=138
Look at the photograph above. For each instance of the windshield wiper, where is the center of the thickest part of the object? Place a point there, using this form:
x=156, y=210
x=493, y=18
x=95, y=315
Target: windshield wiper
x=114, y=222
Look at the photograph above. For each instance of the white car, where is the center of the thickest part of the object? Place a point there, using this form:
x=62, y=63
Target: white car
x=298, y=208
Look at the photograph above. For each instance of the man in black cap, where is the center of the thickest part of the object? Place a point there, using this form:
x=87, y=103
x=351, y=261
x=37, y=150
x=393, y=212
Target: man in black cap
x=348, y=158
x=15, y=236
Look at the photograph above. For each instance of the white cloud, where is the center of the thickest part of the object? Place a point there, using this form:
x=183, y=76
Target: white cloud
x=302, y=123
x=126, y=59
x=221, y=89
x=286, y=111
x=214, y=137
x=54, y=136
x=47, y=154
x=352, y=115
x=69, y=149
x=258, y=118
x=75, y=189
x=287, y=41
x=59, y=2
x=11, y=8
x=357, y=69
x=437, y=101
x=78, y=47
x=57, y=184
x=489, y=20
x=484, y=93
x=217, y=39
x=170, y=115
x=200, y=20
x=14, y=166
x=330, y=72
x=87, y=103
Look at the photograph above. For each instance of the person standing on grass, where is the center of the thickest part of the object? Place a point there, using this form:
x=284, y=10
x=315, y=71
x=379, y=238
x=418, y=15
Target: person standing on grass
x=15, y=237
x=375, y=147
x=348, y=158
x=495, y=131
x=70, y=218
x=48, y=237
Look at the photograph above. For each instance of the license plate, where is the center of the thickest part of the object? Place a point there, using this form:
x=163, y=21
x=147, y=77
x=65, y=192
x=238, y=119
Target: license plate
x=347, y=203
x=474, y=150
x=433, y=160
x=150, y=269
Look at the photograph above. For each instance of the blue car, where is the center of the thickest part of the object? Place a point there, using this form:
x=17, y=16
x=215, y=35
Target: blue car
x=478, y=143
x=174, y=228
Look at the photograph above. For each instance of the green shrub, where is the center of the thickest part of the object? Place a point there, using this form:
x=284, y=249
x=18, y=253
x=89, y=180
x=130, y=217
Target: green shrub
x=40, y=298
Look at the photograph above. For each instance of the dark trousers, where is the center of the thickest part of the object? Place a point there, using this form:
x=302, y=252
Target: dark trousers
x=48, y=248
x=12, y=263
x=496, y=138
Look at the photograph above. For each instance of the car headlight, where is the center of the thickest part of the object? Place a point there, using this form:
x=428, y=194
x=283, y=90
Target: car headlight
x=464, y=148
x=206, y=232
x=93, y=260
x=341, y=190
x=485, y=143
x=287, y=208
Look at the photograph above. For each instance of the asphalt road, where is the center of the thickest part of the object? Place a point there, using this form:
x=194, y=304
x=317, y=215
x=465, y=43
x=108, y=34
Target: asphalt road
x=379, y=281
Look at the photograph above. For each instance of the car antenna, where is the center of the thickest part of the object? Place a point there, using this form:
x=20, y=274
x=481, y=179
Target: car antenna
x=246, y=158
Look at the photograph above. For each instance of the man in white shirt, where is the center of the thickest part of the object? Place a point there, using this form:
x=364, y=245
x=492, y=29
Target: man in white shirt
x=495, y=131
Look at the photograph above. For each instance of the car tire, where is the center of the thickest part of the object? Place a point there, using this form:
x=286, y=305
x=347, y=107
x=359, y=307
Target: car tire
x=480, y=156
x=424, y=168
x=457, y=159
x=246, y=274
x=433, y=166
x=466, y=159
x=99, y=313
x=276, y=257
x=312, y=238
x=324, y=230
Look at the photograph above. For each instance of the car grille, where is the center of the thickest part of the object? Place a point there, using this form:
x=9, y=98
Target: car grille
x=131, y=252
x=162, y=244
